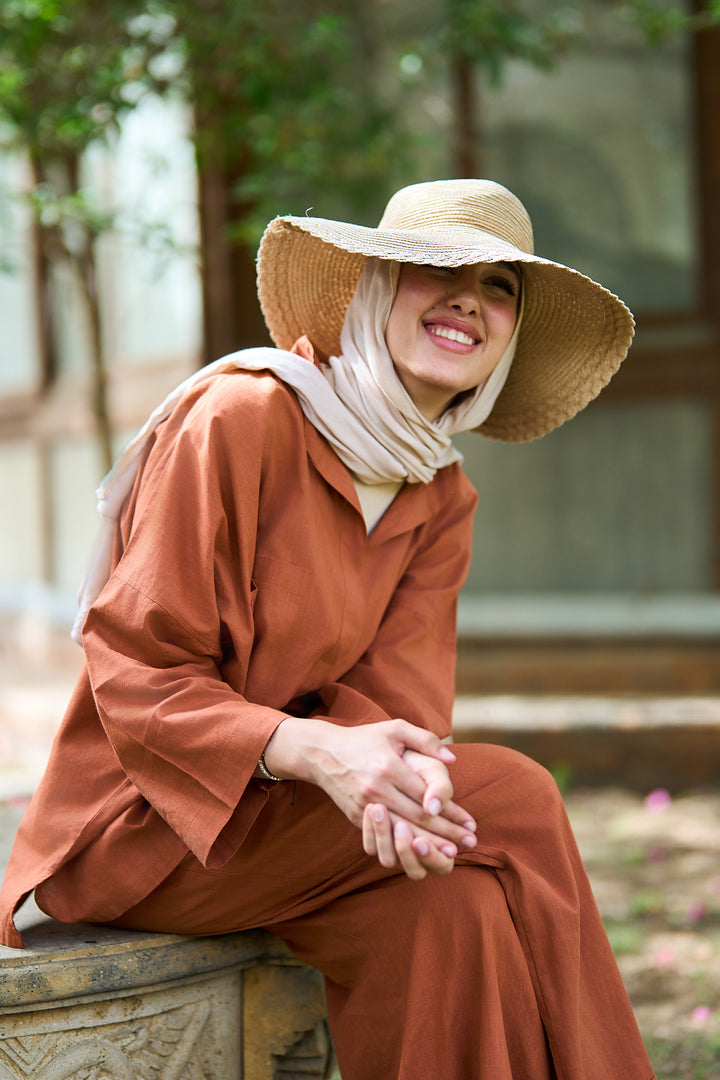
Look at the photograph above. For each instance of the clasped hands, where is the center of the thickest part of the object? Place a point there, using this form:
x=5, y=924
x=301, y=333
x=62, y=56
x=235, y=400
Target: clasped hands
x=390, y=779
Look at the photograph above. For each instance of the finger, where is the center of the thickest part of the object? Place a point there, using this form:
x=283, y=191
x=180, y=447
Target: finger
x=368, y=832
x=439, y=788
x=457, y=814
x=381, y=825
x=440, y=826
x=437, y=803
x=439, y=792
x=436, y=859
x=420, y=739
x=409, y=860
x=446, y=847
x=391, y=773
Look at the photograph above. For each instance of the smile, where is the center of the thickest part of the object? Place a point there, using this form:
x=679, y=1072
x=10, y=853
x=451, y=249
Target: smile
x=452, y=335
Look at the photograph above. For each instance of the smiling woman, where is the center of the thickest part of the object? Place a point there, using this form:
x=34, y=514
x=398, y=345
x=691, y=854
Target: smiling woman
x=449, y=328
x=273, y=598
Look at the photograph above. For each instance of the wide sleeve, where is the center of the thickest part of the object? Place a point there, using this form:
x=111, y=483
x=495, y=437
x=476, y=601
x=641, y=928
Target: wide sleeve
x=408, y=671
x=180, y=599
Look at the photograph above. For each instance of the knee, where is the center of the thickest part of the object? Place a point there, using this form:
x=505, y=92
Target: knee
x=485, y=764
x=540, y=784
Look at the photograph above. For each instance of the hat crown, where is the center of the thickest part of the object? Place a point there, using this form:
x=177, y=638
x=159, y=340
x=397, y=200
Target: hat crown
x=477, y=204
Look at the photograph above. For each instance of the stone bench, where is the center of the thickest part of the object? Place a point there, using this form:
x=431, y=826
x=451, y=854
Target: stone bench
x=87, y=1002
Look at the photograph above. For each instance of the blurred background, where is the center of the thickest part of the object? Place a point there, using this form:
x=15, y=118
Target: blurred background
x=146, y=143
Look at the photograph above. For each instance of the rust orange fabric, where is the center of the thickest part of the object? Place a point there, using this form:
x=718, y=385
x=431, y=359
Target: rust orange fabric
x=245, y=589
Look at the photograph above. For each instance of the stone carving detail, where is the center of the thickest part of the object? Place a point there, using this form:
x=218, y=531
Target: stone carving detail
x=155, y=1047
x=311, y=1056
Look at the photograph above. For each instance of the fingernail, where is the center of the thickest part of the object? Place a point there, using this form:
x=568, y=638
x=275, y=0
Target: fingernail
x=434, y=807
x=401, y=829
x=469, y=841
x=379, y=813
x=449, y=850
x=471, y=826
x=422, y=848
x=447, y=755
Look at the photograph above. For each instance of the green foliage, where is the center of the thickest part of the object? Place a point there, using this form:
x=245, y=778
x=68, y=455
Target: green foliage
x=287, y=98
x=694, y=1058
x=69, y=71
x=647, y=902
x=661, y=22
x=294, y=100
x=488, y=33
x=67, y=68
x=562, y=774
x=625, y=938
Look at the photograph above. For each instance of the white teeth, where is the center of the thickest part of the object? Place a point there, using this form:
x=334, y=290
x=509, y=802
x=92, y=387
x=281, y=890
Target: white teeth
x=453, y=335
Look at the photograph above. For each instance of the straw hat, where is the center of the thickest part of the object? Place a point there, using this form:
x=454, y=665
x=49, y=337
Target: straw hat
x=574, y=334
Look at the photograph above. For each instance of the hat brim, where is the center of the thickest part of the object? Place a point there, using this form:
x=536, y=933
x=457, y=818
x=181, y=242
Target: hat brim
x=574, y=333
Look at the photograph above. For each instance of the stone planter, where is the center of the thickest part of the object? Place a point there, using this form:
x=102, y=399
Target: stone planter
x=86, y=1002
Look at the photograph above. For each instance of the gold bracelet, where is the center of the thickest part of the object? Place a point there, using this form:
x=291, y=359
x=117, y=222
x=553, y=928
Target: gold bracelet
x=265, y=772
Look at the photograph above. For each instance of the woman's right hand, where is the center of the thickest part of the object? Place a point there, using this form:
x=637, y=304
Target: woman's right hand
x=395, y=842
x=364, y=767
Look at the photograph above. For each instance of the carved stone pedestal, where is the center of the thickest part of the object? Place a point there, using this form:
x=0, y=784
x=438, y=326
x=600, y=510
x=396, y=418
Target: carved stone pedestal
x=91, y=1003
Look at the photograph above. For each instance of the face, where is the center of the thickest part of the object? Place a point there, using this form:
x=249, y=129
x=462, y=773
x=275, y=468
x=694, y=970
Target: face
x=449, y=327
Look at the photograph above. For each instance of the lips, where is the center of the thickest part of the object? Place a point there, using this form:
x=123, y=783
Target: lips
x=452, y=332
x=451, y=335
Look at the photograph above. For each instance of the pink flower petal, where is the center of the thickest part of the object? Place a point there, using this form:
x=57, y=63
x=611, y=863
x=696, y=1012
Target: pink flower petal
x=657, y=801
x=696, y=913
x=701, y=1014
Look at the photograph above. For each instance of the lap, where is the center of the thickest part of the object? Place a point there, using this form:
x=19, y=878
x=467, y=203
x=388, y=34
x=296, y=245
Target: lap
x=302, y=853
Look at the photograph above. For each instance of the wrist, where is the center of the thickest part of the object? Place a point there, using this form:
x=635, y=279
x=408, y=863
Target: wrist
x=263, y=773
x=291, y=749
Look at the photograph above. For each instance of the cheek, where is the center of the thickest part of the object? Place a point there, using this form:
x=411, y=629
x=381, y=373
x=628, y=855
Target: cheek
x=397, y=329
x=504, y=319
x=391, y=338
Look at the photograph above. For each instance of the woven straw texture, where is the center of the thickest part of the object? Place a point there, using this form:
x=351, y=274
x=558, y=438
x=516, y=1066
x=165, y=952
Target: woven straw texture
x=574, y=334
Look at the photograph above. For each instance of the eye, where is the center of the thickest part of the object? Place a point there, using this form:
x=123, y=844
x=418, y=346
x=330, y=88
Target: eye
x=504, y=282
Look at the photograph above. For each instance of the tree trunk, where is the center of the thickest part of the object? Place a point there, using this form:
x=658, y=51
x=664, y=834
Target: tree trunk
x=84, y=264
x=51, y=246
x=47, y=350
x=86, y=270
x=466, y=157
x=231, y=311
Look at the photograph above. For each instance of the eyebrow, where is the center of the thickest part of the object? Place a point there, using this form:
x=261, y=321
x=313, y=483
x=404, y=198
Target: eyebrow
x=510, y=266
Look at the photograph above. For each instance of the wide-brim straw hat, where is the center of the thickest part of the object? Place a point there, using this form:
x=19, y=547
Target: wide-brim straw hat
x=574, y=333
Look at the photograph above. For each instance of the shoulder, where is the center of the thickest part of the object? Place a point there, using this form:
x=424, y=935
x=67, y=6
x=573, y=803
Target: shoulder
x=252, y=396
x=222, y=428
x=235, y=412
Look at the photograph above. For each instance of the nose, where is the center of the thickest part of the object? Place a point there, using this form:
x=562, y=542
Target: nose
x=465, y=295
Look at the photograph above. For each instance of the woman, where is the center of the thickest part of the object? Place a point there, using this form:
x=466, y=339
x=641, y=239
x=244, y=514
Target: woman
x=293, y=530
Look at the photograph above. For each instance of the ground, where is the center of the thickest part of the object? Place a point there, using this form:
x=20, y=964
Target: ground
x=654, y=863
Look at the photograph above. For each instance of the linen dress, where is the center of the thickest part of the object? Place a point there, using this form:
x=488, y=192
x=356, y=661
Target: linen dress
x=246, y=589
